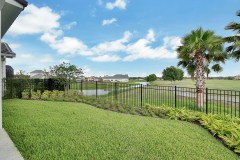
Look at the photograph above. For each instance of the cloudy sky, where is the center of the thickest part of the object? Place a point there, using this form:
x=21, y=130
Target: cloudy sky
x=105, y=37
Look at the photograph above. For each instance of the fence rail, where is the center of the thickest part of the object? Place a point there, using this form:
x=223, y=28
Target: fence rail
x=222, y=102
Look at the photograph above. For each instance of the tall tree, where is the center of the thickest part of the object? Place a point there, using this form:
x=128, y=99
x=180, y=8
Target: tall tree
x=151, y=77
x=189, y=64
x=234, y=47
x=21, y=75
x=65, y=70
x=202, y=48
x=172, y=74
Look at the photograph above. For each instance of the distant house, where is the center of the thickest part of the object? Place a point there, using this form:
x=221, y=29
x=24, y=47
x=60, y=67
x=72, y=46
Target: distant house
x=237, y=77
x=37, y=74
x=93, y=79
x=80, y=78
x=116, y=78
x=9, y=71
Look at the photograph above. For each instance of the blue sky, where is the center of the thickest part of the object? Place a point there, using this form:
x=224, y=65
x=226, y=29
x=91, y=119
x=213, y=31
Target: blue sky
x=106, y=37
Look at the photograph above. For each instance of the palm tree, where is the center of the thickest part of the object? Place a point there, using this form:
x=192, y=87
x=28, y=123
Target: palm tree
x=234, y=48
x=189, y=64
x=199, y=49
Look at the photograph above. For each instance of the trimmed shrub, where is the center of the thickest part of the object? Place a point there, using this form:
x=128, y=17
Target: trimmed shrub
x=36, y=95
x=25, y=94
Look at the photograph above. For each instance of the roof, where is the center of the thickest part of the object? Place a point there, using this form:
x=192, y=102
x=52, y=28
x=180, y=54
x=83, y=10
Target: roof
x=7, y=51
x=37, y=71
x=117, y=76
x=38, y=76
x=10, y=9
x=8, y=67
x=22, y=2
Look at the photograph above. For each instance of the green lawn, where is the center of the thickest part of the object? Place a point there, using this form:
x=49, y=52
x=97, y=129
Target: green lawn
x=61, y=130
x=214, y=84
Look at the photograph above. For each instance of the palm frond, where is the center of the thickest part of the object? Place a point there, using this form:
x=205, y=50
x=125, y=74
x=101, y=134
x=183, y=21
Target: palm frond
x=236, y=55
x=233, y=26
x=217, y=68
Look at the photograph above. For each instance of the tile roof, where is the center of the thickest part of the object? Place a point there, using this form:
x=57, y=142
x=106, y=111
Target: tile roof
x=37, y=71
x=38, y=76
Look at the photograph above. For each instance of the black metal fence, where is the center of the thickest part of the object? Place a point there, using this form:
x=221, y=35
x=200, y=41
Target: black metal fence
x=215, y=101
x=222, y=102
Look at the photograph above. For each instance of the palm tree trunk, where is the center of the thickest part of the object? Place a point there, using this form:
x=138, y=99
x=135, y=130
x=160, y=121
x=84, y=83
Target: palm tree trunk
x=192, y=77
x=200, y=80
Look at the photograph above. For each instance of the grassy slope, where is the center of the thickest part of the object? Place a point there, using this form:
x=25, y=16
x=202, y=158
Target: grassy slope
x=214, y=84
x=60, y=130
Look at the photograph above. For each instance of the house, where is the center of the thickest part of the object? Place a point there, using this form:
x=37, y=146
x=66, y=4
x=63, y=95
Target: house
x=93, y=79
x=6, y=52
x=116, y=78
x=80, y=78
x=37, y=74
x=237, y=77
x=9, y=71
x=9, y=11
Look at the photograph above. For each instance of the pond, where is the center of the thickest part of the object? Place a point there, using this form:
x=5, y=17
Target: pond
x=92, y=92
x=143, y=83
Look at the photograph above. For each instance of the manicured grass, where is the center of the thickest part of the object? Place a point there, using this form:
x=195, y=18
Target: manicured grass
x=211, y=83
x=64, y=130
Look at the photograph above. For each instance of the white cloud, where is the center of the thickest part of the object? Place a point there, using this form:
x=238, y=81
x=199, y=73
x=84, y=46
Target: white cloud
x=172, y=42
x=106, y=58
x=151, y=35
x=66, y=45
x=121, y=4
x=35, y=20
x=112, y=46
x=142, y=48
x=108, y=51
x=70, y=25
x=30, y=62
x=108, y=21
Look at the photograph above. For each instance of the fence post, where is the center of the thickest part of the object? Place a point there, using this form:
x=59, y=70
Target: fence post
x=141, y=95
x=115, y=90
x=81, y=85
x=96, y=89
x=20, y=89
x=175, y=98
x=206, y=100
x=11, y=88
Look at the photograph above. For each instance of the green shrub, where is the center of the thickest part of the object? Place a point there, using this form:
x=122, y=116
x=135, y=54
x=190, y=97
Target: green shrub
x=112, y=106
x=120, y=108
x=25, y=94
x=72, y=93
x=54, y=94
x=107, y=106
x=45, y=95
x=36, y=95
